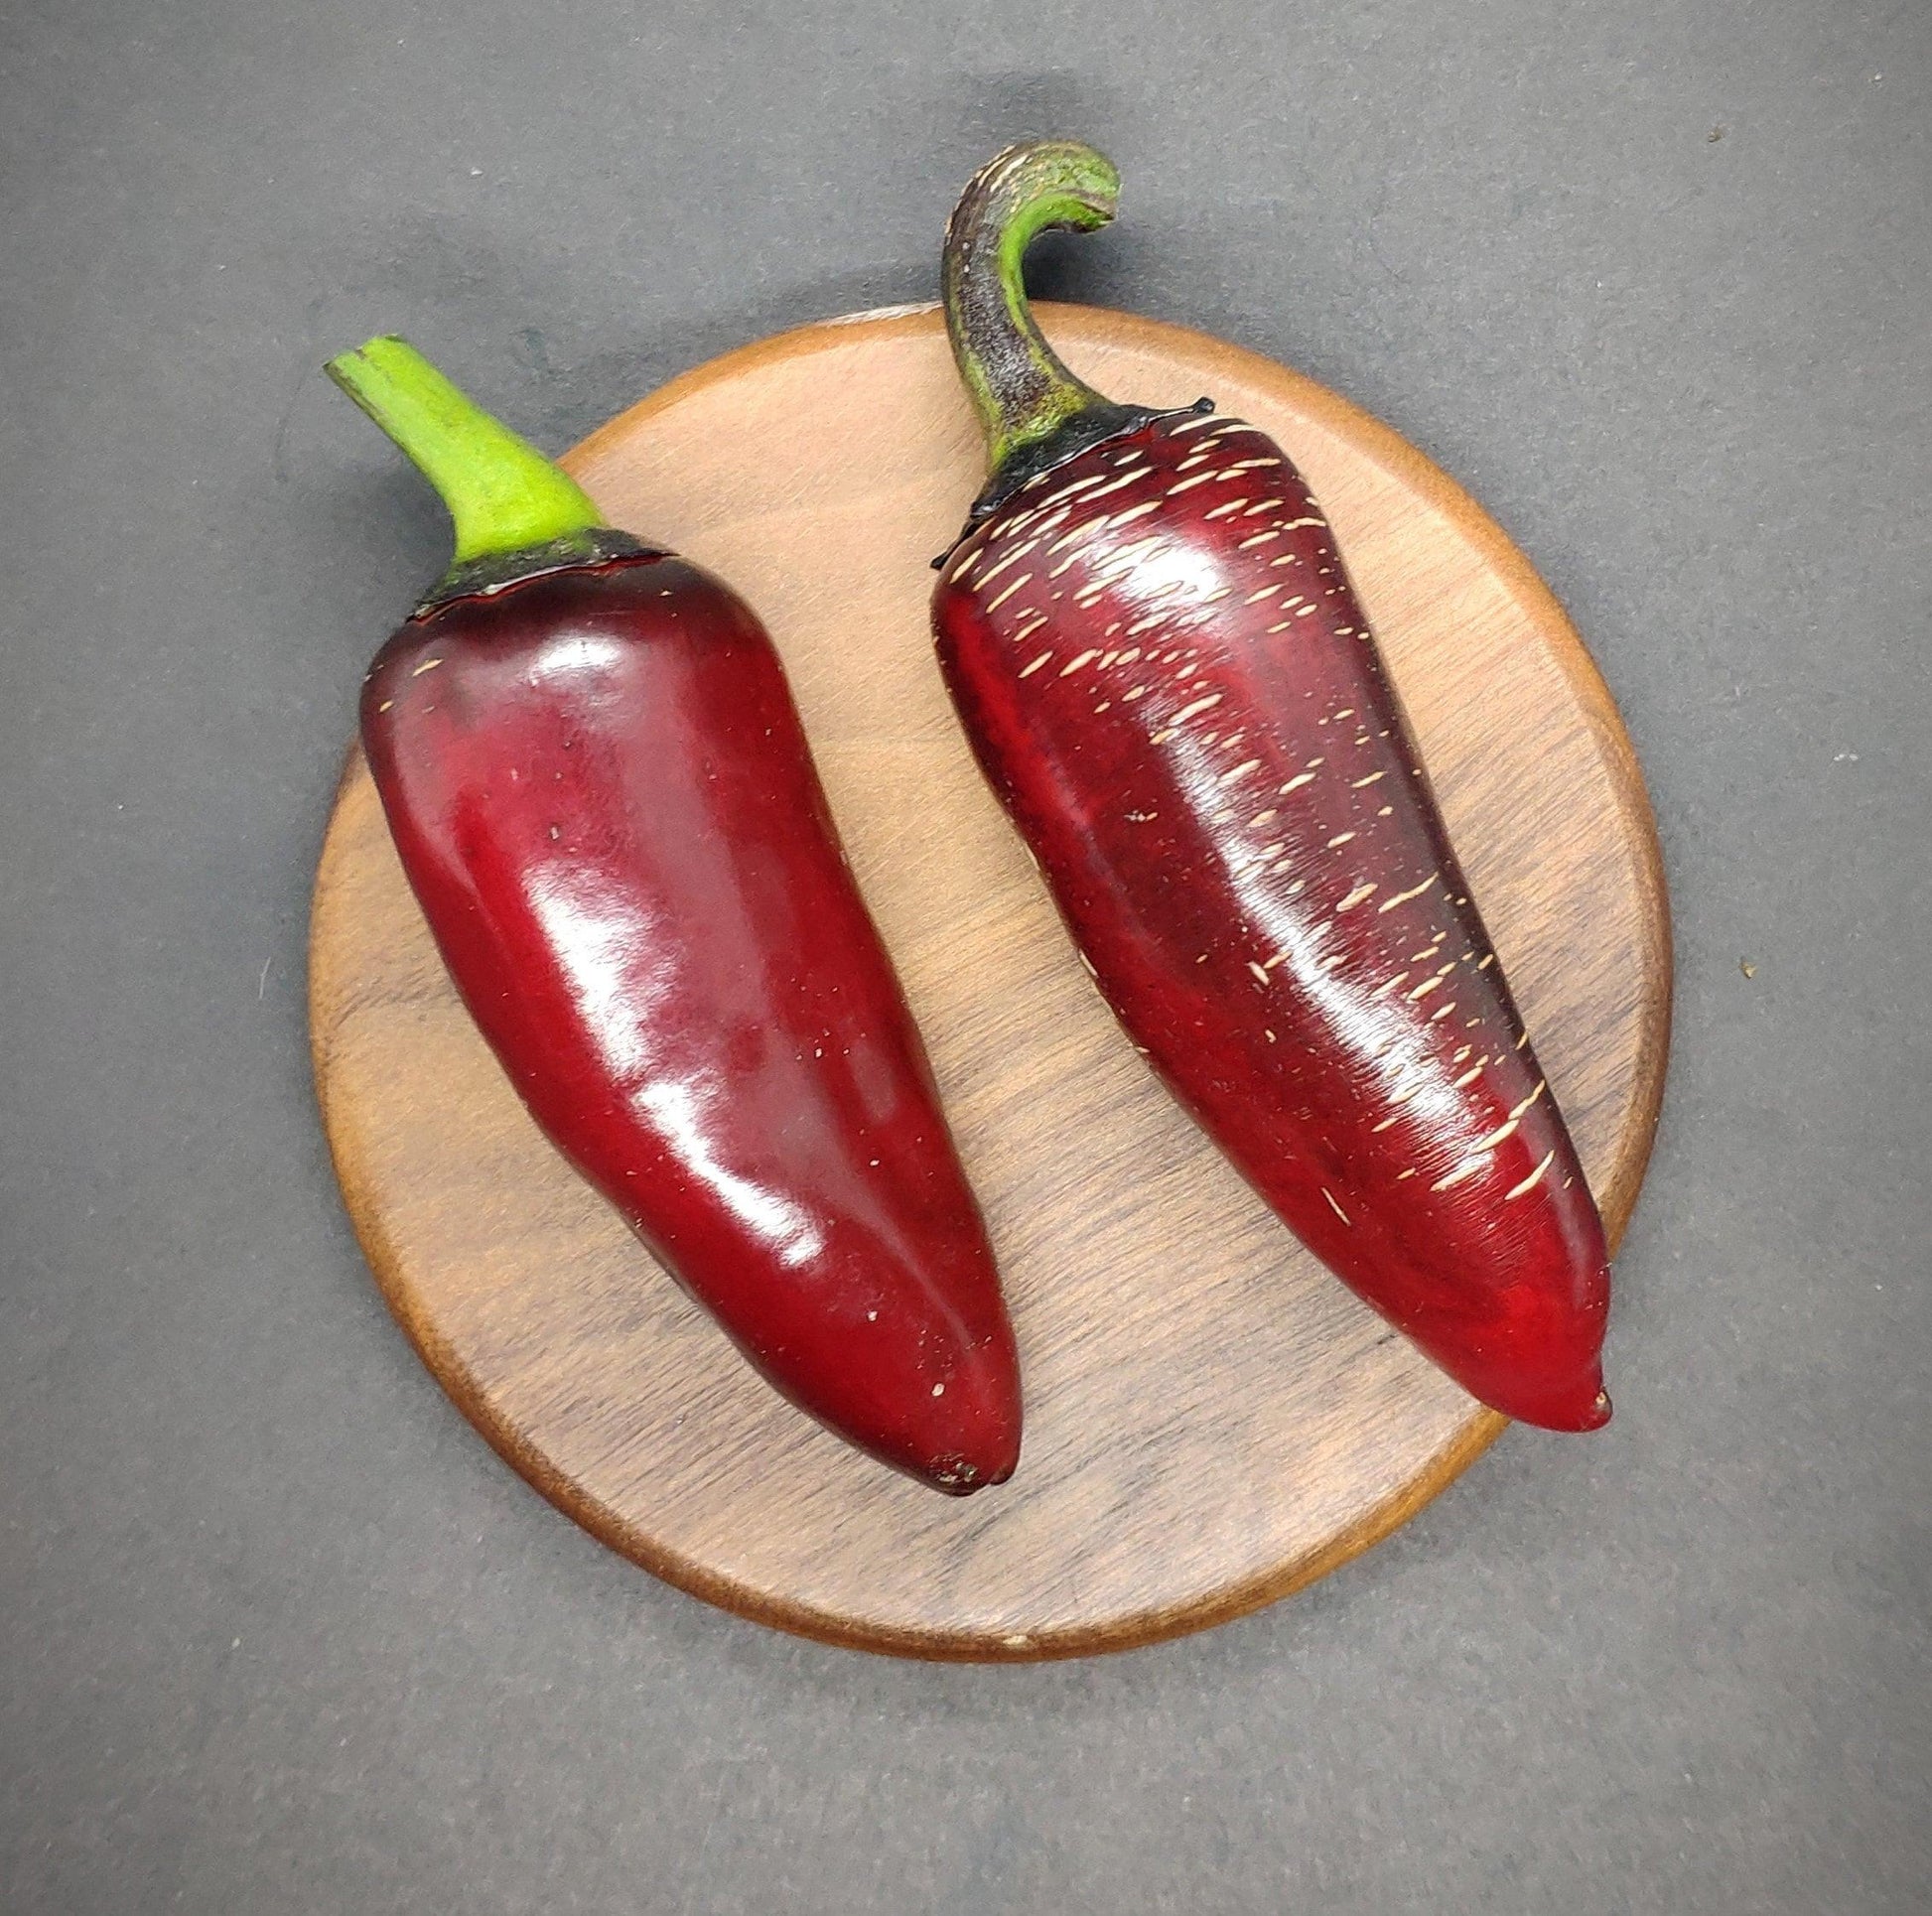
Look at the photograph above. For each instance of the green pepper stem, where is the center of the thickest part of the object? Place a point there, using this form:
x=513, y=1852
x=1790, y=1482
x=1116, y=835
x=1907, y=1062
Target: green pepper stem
x=502, y=493
x=1020, y=388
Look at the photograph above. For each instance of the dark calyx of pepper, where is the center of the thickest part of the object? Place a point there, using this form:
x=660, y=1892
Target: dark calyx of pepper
x=1036, y=414
x=515, y=515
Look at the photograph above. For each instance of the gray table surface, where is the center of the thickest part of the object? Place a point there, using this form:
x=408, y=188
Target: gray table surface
x=277, y=1631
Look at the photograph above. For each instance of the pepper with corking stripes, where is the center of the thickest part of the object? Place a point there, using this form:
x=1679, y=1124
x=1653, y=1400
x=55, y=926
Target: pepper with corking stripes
x=602, y=795
x=1170, y=685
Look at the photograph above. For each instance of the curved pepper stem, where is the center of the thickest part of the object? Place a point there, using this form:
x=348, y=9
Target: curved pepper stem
x=503, y=495
x=1036, y=413
x=1022, y=392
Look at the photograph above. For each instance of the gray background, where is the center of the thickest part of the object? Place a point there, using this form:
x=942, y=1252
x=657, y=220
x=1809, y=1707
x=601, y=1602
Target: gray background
x=279, y=1633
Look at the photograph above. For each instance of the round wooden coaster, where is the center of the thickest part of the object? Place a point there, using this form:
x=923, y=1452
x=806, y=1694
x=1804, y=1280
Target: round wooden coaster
x=1212, y=1419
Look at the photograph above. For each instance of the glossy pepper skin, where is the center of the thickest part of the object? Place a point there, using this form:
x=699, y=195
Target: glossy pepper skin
x=1168, y=681
x=601, y=792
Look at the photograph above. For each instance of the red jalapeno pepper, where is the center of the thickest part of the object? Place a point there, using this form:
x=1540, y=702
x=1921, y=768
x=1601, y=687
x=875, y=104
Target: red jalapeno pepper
x=603, y=799
x=1170, y=683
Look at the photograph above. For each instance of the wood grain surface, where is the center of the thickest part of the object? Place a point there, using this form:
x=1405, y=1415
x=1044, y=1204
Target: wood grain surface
x=1212, y=1419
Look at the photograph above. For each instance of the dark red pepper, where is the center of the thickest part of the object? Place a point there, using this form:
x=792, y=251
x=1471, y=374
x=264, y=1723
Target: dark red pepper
x=602, y=795
x=1170, y=685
